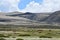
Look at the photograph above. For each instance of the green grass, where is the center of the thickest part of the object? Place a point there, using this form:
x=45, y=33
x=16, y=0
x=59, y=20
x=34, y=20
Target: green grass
x=41, y=33
x=2, y=39
x=23, y=31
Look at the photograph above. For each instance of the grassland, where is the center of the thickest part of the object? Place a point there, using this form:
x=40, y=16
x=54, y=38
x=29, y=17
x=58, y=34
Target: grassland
x=16, y=31
x=30, y=32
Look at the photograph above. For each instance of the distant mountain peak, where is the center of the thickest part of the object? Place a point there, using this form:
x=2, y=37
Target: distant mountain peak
x=57, y=12
x=54, y=17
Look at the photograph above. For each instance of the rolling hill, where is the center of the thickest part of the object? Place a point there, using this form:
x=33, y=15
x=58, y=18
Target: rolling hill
x=19, y=18
x=31, y=16
x=54, y=17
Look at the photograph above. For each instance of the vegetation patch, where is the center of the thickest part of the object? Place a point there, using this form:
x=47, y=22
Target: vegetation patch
x=2, y=39
x=24, y=35
x=43, y=36
x=19, y=39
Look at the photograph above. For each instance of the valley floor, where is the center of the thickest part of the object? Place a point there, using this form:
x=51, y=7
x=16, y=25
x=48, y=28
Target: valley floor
x=27, y=33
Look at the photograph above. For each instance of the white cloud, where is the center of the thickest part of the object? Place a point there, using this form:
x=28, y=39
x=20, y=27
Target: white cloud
x=46, y=6
x=32, y=7
x=8, y=5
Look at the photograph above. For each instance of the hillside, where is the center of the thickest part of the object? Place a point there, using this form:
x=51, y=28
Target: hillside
x=31, y=16
x=54, y=17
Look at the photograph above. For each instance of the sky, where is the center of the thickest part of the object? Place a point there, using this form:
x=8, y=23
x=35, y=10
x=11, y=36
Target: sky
x=23, y=3
x=35, y=6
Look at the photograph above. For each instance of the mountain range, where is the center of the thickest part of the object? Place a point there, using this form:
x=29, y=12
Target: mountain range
x=31, y=16
x=53, y=18
x=19, y=18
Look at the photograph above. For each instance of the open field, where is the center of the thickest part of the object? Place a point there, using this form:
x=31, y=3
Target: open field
x=31, y=34
x=27, y=33
x=41, y=33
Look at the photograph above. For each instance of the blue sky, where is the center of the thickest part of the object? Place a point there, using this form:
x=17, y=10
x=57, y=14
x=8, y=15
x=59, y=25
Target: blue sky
x=22, y=4
x=29, y=5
